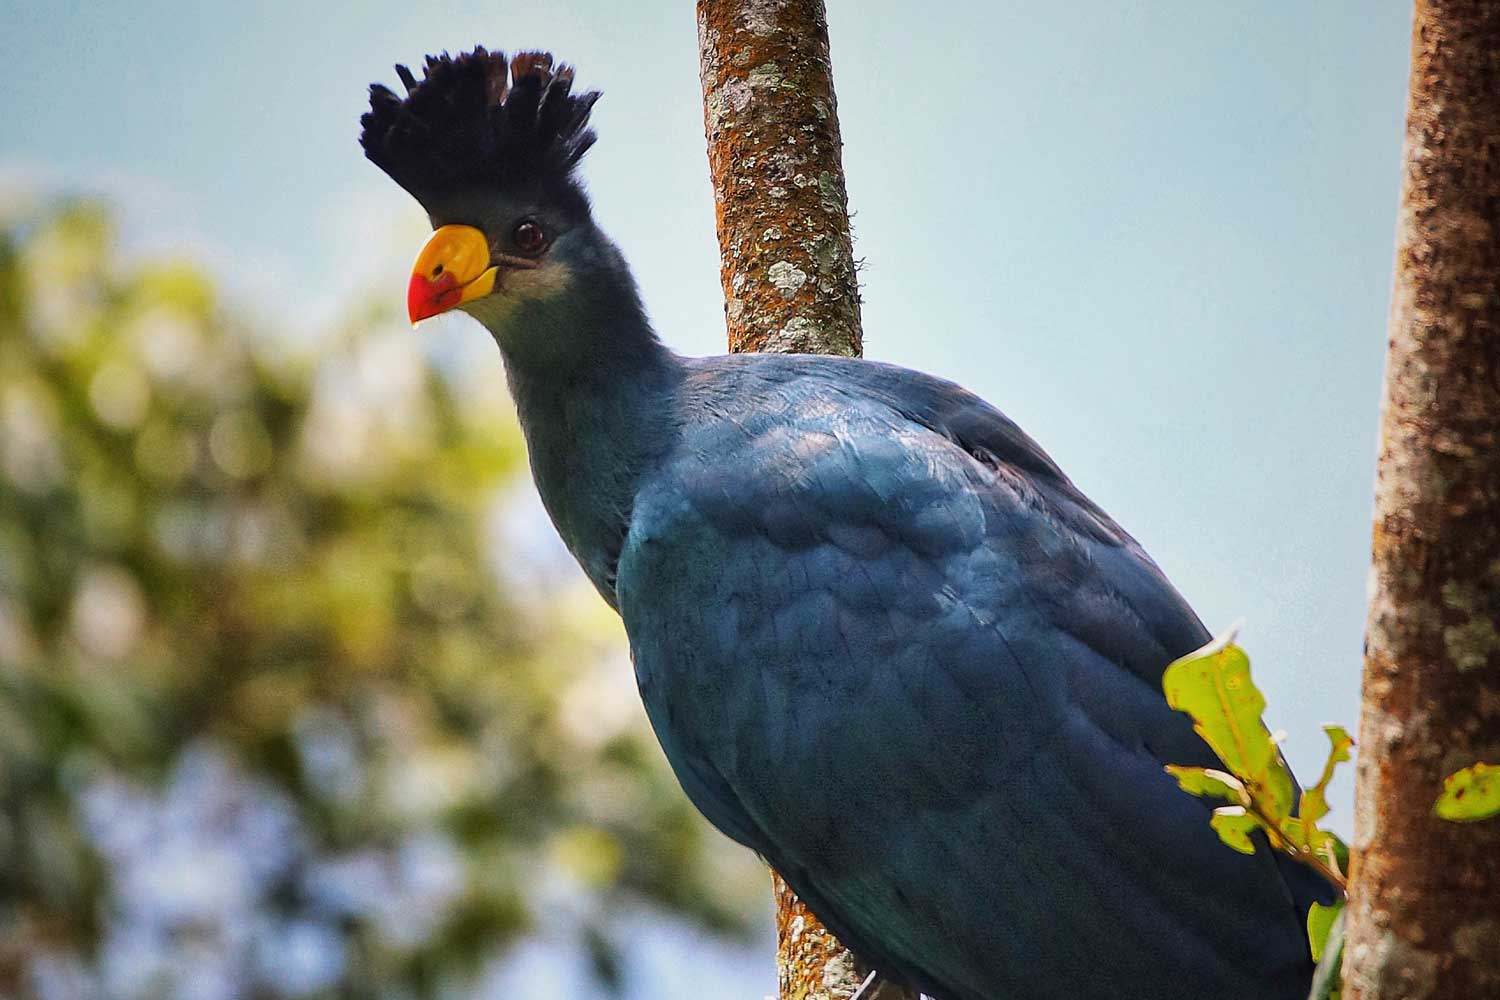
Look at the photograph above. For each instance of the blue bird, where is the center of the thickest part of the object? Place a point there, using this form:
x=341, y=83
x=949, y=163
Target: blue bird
x=883, y=640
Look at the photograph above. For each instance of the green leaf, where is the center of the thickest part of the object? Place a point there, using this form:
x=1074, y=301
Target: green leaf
x=1210, y=783
x=1320, y=920
x=1471, y=794
x=1234, y=826
x=1315, y=799
x=1293, y=831
x=1328, y=979
x=1213, y=686
x=1302, y=832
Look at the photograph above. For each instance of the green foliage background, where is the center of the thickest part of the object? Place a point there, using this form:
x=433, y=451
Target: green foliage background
x=272, y=716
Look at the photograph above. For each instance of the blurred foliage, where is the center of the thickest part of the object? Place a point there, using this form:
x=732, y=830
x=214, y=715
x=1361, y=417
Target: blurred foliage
x=274, y=722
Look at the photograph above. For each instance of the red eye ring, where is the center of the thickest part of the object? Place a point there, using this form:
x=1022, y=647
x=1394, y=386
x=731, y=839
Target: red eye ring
x=528, y=236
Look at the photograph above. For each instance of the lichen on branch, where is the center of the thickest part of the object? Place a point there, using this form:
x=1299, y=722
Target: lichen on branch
x=779, y=200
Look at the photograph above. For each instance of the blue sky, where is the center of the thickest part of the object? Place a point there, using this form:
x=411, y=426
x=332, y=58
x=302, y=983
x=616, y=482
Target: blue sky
x=1159, y=235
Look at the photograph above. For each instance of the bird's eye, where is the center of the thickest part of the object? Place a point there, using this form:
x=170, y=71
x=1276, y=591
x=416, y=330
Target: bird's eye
x=528, y=236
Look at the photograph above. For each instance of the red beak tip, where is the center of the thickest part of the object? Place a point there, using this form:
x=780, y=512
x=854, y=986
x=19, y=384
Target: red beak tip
x=426, y=298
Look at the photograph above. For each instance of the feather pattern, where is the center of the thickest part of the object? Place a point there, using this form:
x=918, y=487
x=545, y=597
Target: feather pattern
x=887, y=644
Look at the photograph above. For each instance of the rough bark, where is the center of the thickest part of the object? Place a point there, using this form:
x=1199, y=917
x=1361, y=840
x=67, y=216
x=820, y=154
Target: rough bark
x=789, y=283
x=779, y=200
x=1424, y=909
x=811, y=964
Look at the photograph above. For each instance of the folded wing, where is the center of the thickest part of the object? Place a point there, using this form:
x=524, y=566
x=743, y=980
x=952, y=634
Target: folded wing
x=887, y=645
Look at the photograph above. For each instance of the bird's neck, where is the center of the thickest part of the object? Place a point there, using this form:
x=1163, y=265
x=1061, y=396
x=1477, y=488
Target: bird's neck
x=595, y=419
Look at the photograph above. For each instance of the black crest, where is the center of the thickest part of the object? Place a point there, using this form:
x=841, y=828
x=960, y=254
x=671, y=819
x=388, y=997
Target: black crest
x=478, y=121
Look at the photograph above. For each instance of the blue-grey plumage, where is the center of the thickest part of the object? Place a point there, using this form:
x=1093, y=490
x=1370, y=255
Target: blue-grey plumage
x=919, y=672
x=882, y=639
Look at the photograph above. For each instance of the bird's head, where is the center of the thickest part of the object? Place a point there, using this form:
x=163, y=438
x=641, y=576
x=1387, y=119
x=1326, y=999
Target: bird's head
x=488, y=147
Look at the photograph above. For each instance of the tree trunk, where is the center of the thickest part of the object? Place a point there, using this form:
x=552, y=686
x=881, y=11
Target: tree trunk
x=779, y=201
x=789, y=281
x=1424, y=909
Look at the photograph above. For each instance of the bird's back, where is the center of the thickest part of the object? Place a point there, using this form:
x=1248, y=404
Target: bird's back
x=888, y=645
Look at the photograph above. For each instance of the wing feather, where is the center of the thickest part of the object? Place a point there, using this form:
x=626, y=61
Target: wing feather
x=925, y=686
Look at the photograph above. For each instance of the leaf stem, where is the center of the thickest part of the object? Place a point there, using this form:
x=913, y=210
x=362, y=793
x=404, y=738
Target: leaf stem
x=1306, y=856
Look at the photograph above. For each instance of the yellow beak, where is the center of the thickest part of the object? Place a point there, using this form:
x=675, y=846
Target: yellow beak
x=453, y=268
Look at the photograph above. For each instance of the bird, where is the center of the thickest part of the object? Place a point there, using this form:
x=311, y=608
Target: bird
x=883, y=640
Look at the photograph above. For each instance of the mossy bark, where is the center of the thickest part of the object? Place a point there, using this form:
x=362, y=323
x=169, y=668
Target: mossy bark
x=789, y=283
x=1424, y=909
x=774, y=153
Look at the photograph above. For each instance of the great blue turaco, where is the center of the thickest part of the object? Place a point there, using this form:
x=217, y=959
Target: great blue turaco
x=882, y=638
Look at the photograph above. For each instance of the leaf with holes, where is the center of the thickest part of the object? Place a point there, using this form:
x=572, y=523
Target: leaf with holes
x=1213, y=686
x=1470, y=795
x=1315, y=799
x=1303, y=832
